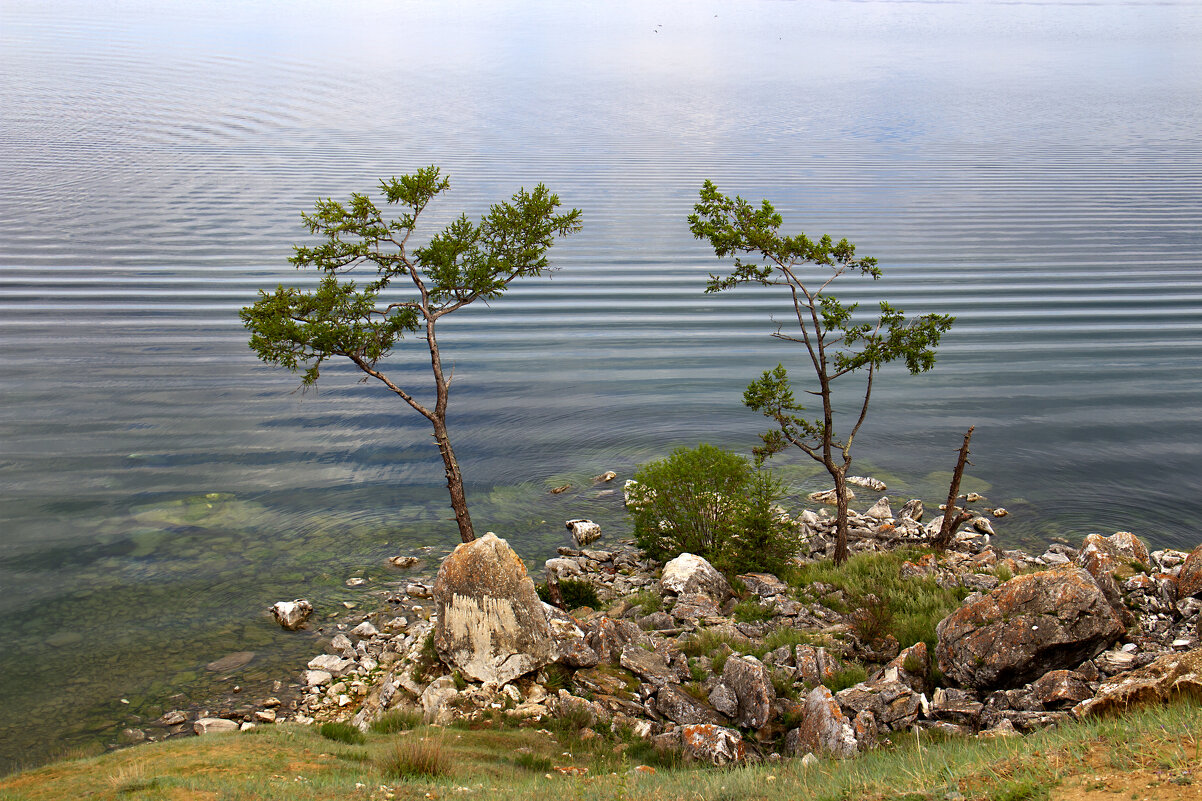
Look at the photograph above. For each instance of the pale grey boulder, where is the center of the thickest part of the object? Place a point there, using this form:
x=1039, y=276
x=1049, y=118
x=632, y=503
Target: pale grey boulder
x=689, y=573
x=292, y=615
x=491, y=623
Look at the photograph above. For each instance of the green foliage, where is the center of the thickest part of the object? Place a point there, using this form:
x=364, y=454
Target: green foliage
x=876, y=593
x=752, y=611
x=647, y=601
x=343, y=733
x=396, y=720
x=712, y=503
x=576, y=593
x=849, y=675
x=838, y=340
x=465, y=262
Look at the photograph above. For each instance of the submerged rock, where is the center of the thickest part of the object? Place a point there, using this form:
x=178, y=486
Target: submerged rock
x=583, y=531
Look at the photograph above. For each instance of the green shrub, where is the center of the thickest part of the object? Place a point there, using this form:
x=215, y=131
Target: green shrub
x=576, y=593
x=647, y=601
x=752, y=611
x=342, y=732
x=851, y=674
x=396, y=720
x=712, y=503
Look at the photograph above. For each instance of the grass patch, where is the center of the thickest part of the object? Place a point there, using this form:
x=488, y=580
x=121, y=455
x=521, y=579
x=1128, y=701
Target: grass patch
x=576, y=593
x=396, y=720
x=342, y=733
x=880, y=599
x=752, y=611
x=416, y=758
x=647, y=601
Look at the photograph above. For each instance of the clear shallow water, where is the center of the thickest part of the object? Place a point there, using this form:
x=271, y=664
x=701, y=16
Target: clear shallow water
x=1034, y=169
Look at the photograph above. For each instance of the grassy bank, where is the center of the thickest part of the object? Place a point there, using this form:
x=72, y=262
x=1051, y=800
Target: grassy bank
x=1154, y=754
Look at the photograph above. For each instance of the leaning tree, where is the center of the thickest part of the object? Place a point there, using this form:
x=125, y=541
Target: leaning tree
x=838, y=342
x=405, y=288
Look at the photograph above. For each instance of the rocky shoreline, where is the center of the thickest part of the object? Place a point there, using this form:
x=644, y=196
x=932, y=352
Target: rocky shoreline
x=677, y=655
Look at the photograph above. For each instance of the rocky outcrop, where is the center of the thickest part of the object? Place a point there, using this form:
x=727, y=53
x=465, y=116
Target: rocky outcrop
x=1189, y=580
x=491, y=624
x=1031, y=624
x=713, y=744
x=1169, y=676
x=751, y=685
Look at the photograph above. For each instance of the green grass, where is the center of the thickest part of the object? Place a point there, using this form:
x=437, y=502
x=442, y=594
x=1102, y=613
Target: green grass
x=1153, y=752
x=396, y=720
x=907, y=608
x=752, y=611
x=342, y=733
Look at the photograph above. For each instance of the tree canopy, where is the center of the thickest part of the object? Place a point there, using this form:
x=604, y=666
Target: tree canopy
x=404, y=289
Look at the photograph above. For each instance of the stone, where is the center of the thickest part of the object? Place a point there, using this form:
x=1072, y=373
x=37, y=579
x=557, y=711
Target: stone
x=876, y=485
x=606, y=477
x=747, y=677
x=607, y=637
x=491, y=624
x=711, y=743
x=583, y=531
x=404, y=562
x=571, y=649
x=1189, y=580
x=958, y=706
x=893, y=704
x=911, y=510
x=1170, y=676
x=765, y=585
x=292, y=614
x=213, y=725
x=174, y=718
x=225, y=664
x=435, y=697
x=1059, y=689
x=316, y=678
x=647, y=665
x=265, y=715
x=695, y=606
x=689, y=573
x=724, y=700
x=334, y=665
x=1029, y=625
x=880, y=510
x=983, y=525
x=682, y=708
x=365, y=630
x=829, y=496
x=814, y=665
x=824, y=728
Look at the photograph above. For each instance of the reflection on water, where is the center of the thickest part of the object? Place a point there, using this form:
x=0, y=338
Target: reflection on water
x=1033, y=169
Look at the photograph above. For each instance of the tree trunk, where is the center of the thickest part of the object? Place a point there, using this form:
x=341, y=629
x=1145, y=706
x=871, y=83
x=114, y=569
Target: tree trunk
x=841, y=552
x=454, y=481
x=952, y=516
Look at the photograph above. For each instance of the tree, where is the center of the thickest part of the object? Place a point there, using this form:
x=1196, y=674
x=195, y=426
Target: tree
x=838, y=341
x=413, y=287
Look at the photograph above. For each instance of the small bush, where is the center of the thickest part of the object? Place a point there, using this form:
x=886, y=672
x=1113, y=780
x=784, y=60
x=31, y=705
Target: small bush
x=576, y=593
x=752, y=611
x=712, y=503
x=558, y=677
x=416, y=757
x=396, y=720
x=647, y=601
x=342, y=732
x=646, y=753
x=851, y=674
x=533, y=762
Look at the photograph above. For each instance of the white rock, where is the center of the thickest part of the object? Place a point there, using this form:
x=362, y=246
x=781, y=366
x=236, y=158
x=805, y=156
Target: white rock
x=365, y=629
x=214, y=725
x=292, y=614
x=316, y=678
x=982, y=525
x=334, y=665
x=689, y=573
x=867, y=483
x=880, y=510
x=583, y=531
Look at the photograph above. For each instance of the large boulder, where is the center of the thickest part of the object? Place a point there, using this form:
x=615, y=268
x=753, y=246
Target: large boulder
x=714, y=744
x=1189, y=580
x=292, y=615
x=1169, y=676
x=1029, y=625
x=752, y=686
x=491, y=623
x=689, y=573
x=824, y=728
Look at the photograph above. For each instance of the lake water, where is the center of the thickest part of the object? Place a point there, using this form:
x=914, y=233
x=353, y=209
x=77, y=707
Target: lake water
x=1034, y=169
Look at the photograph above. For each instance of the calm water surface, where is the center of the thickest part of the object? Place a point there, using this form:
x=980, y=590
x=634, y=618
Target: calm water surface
x=1034, y=169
